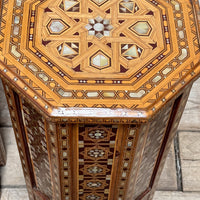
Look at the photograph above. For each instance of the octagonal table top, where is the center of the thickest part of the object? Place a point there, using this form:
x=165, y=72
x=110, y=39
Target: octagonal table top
x=128, y=54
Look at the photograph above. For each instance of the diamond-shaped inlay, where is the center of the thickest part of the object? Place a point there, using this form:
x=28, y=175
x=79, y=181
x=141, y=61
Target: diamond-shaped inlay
x=57, y=26
x=68, y=49
x=93, y=197
x=70, y=5
x=99, y=2
x=97, y=134
x=99, y=27
x=127, y=6
x=94, y=170
x=94, y=184
x=96, y=153
x=131, y=51
x=100, y=60
x=141, y=28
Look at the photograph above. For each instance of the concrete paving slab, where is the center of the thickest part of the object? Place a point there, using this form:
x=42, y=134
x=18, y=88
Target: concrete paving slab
x=4, y=113
x=190, y=160
x=11, y=173
x=165, y=195
x=168, y=179
x=14, y=194
x=191, y=116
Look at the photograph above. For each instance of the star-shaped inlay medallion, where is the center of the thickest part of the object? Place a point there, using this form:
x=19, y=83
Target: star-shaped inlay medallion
x=99, y=27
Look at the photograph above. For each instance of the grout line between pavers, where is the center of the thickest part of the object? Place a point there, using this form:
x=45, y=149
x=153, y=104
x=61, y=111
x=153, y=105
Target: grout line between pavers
x=185, y=130
x=5, y=126
x=13, y=187
x=178, y=163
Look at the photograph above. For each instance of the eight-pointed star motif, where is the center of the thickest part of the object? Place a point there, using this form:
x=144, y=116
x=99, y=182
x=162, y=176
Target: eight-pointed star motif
x=99, y=27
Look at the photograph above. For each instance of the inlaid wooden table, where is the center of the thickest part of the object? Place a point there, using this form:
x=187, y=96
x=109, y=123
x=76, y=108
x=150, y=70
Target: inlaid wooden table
x=96, y=89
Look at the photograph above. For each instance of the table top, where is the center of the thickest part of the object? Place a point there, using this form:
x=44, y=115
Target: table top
x=128, y=54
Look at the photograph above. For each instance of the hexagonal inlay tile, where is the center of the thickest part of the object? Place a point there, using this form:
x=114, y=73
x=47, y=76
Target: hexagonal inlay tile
x=141, y=28
x=100, y=60
x=57, y=26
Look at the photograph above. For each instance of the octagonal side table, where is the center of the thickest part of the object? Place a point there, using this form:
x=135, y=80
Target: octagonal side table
x=96, y=90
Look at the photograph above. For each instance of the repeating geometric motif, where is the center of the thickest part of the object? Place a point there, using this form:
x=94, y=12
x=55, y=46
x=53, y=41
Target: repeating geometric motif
x=153, y=143
x=54, y=156
x=99, y=27
x=155, y=137
x=54, y=87
x=36, y=139
x=128, y=6
x=195, y=27
x=131, y=51
x=70, y=5
x=127, y=155
x=99, y=2
x=65, y=168
x=96, y=151
x=68, y=50
x=182, y=102
x=19, y=138
x=135, y=162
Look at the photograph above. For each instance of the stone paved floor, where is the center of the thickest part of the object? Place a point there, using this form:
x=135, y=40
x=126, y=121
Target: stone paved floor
x=180, y=178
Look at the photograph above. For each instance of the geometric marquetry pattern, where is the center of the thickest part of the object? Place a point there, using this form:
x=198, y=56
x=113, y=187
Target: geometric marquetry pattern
x=57, y=26
x=68, y=50
x=100, y=60
x=99, y=27
x=88, y=40
x=70, y=5
x=54, y=156
x=155, y=136
x=153, y=143
x=19, y=139
x=128, y=6
x=36, y=139
x=126, y=162
x=131, y=51
x=140, y=143
x=96, y=151
x=173, y=131
x=64, y=161
x=194, y=27
x=141, y=28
